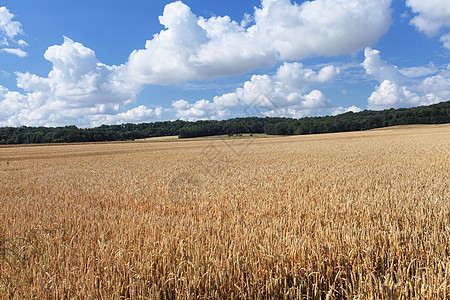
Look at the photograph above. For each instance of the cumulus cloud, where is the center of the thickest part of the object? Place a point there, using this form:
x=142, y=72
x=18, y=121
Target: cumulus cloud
x=436, y=88
x=78, y=90
x=134, y=115
x=9, y=31
x=396, y=90
x=341, y=110
x=287, y=87
x=193, y=48
x=432, y=16
x=286, y=93
x=10, y=102
x=389, y=94
x=81, y=90
x=380, y=69
x=445, y=40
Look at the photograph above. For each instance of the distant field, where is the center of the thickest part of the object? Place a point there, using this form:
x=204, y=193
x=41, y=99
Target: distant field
x=160, y=138
x=236, y=136
x=361, y=215
x=244, y=135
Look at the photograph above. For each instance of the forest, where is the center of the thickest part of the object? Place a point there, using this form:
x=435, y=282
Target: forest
x=365, y=120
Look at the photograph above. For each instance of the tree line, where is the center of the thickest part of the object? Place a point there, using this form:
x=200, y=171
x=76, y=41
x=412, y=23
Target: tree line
x=73, y=134
x=433, y=114
x=365, y=120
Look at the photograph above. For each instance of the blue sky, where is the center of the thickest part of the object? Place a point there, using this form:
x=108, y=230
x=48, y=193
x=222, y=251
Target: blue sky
x=89, y=63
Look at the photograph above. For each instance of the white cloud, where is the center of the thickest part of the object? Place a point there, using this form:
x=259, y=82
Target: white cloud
x=436, y=88
x=294, y=75
x=15, y=51
x=445, y=40
x=8, y=27
x=77, y=78
x=205, y=109
x=321, y=27
x=166, y=57
x=200, y=110
x=135, y=115
x=192, y=48
x=341, y=110
x=396, y=90
x=22, y=43
x=432, y=16
x=226, y=100
x=4, y=74
x=388, y=94
x=79, y=90
x=380, y=69
x=10, y=102
x=216, y=27
x=282, y=94
x=287, y=86
x=9, y=30
x=414, y=72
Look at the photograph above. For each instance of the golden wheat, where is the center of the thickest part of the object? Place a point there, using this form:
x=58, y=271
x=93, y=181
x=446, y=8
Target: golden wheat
x=363, y=215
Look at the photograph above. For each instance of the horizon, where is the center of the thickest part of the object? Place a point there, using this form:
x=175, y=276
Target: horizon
x=244, y=117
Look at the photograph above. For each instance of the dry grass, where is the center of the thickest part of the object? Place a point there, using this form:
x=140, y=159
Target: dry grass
x=361, y=215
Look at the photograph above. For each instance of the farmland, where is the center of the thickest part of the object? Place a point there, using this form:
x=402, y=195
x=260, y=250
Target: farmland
x=345, y=215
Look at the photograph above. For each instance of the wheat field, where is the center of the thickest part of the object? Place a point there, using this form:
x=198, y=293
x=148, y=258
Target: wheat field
x=360, y=215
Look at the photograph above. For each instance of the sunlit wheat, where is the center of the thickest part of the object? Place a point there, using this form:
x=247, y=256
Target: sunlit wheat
x=362, y=215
